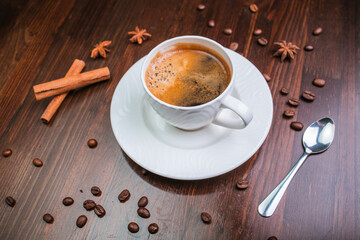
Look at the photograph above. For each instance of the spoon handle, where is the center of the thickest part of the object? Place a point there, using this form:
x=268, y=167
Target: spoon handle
x=268, y=206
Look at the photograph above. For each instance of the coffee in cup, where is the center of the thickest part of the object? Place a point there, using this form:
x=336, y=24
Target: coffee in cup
x=187, y=75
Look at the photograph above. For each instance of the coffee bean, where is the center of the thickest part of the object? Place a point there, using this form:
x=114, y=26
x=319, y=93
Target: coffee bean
x=294, y=102
x=234, y=46
x=297, y=126
x=317, y=31
x=81, y=221
x=92, y=143
x=308, y=96
x=242, y=184
x=272, y=238
x=228, y=31
x=284, y=91
x=48, y=218
x=143, y=201
x=211, y=23
x=124, y=195
x=133, y=227
x=81, y=191
x=89, y=204
x=153, y=228
x=201, y=7
x=289, y=113
x=96, y=191
x=262, y=41
x=253, y=8
x=143, y=212
x=308, y=48
x=319, y=82
x=68, y=201
x=206, y=217
x=7, y=152
x=10, y=201
x=257, y=32
x=99, y=210
x=267, y=77
x=37, y=162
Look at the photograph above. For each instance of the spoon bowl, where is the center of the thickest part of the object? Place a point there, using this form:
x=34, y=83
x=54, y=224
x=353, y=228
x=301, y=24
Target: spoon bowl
x=319, y=135
x=316, y=139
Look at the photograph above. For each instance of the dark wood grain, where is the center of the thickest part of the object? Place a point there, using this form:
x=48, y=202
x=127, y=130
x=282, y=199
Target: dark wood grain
x=40, y=39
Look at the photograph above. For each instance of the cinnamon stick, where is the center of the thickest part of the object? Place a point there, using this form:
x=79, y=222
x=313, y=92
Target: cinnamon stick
x=55, y=103
x=63, y=85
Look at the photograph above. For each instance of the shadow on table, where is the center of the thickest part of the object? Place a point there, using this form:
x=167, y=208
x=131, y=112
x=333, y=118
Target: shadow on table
x=197, y=187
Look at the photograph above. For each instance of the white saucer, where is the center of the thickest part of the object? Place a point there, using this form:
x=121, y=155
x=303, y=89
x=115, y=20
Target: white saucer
x=189, y=155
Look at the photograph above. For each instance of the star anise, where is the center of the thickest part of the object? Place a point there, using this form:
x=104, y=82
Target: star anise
x=100, y=49
x=285, y=50
x=139, y=35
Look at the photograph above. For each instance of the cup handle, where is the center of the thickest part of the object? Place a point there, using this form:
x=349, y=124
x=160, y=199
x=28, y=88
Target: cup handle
x=238, y=107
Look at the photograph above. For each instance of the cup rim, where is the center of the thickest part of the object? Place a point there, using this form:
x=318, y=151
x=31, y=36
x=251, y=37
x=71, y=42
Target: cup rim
x=156, y=49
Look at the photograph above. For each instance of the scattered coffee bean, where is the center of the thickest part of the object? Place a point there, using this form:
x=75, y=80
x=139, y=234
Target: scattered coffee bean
x=257, y=32
x=262, y=41
x=153, y=228
x=294, y=102
x=284, y=91
x=289, y=113
x=228, y=31
x=308, y=48
x=96, y=191
x=297, y=126
x=99, y=210
x=48, y=218
x=7, y=152
x=89, y=204
x=242, y=184
x=68, y=201
x=133, y=227
x=143, y=212
x=317, y=31
x=319, y=82
x=234, y=46
x=124, y=195
x=272, y=238
x=308, y=96
x=267, y=77
x=92, y=143
x=201, y=7
x=143, y=201
x=10, y=201
x=81, y=191
x=211, y=23
x=253, y=8
x=81, y=221
x=37, y=162
x=206, y=217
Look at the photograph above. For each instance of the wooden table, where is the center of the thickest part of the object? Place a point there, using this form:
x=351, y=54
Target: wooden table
x=39, y=41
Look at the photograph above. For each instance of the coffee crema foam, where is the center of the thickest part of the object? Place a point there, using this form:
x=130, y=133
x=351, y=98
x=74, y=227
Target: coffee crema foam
x=188, y=75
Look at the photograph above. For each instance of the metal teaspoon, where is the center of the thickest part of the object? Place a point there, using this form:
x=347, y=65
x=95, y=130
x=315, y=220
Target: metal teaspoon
x=316, y=139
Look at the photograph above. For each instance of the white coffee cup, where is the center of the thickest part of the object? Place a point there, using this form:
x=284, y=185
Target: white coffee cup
x=195, y=117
